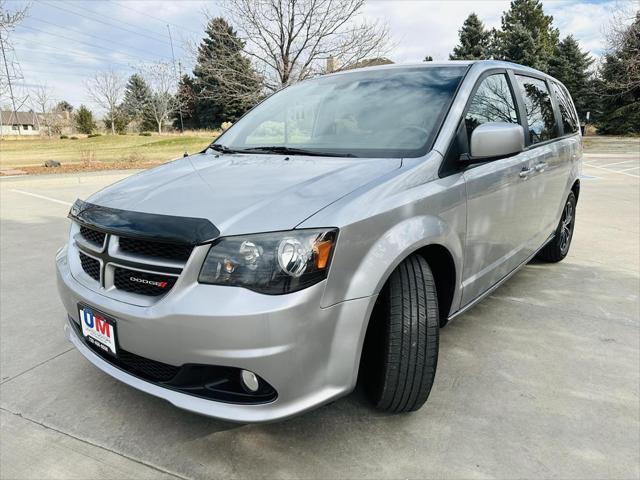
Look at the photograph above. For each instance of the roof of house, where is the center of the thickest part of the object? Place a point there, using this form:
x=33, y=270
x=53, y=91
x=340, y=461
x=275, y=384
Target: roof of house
x=23, y=118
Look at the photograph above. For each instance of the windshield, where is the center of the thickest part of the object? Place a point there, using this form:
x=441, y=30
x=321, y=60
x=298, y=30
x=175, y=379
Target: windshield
x=384, y=113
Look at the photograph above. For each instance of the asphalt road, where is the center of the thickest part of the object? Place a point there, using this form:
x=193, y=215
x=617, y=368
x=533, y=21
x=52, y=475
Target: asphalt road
x=539, y=380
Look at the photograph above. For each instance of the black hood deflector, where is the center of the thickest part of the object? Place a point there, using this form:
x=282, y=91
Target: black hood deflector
x=152, y=226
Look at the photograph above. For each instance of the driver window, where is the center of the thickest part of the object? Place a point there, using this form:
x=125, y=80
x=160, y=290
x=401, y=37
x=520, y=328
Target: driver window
x=492, y=102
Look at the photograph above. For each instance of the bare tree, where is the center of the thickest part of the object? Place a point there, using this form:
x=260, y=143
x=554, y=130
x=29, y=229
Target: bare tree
x=61, y=118
x=41, y=97
x=291, y=40
x=9, y=19
x=622, y=36
x=106, y=89
x=162, y=102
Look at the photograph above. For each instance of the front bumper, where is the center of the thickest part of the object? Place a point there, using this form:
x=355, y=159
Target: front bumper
x=310, y=355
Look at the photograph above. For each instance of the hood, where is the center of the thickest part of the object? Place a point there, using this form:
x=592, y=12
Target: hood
x=243, y=193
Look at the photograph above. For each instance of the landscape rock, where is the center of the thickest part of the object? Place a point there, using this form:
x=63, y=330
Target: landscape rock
x=52, y=163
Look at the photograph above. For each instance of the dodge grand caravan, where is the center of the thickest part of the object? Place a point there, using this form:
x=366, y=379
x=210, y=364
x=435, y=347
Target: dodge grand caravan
x=324, y=239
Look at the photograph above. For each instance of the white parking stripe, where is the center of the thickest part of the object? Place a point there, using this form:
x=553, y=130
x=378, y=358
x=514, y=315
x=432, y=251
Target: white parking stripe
x=55, y=200
x=611, y=170
x=627, y=169
x=616, y=163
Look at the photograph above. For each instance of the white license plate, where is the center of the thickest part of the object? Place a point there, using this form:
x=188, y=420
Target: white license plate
x=98, y=330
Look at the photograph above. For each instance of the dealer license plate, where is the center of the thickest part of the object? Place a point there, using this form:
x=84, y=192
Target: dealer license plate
x=98, y=329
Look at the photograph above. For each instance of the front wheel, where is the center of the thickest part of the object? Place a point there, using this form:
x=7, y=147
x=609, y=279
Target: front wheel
x=401, y=346
x=558, y=247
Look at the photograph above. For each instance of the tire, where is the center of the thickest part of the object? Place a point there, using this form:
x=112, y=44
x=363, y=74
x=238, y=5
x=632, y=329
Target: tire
x=401, y=346
x=558, y=247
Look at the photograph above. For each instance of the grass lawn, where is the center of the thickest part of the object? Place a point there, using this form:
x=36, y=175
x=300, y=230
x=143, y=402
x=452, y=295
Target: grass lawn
x=20, y=152
x=135, y=151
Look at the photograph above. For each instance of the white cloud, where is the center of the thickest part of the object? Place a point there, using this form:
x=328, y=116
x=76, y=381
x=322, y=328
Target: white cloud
x=585, y=21
x=423, y=28
x=135, y=31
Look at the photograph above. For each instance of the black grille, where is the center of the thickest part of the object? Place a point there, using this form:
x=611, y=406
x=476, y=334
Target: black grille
x=167, y=251
x=147, y=368
x=143, y=283
x=91, y=266
x=92, y=236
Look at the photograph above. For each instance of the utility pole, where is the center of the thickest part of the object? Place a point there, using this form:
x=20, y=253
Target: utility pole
x=175, y=72
x=6, y=68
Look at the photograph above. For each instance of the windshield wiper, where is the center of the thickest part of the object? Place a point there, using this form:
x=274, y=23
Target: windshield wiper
x=295, y=151
x=224, y=149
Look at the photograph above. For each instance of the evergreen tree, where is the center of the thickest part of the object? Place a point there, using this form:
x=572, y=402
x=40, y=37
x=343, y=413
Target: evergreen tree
x=527, y=35
x=225, y=83
x=187, y=102
x=135, y=106
x=518, y=46
x=474, y=40
x=64, y=106
x=620, y=74
x=136, y=95
x=428, y=58
x=84, y=120
x=570, y=65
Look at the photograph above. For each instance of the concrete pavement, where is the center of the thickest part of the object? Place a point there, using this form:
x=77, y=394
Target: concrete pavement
x=539, y=380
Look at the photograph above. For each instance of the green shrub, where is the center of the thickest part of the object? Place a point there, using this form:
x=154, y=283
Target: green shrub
x=93, y=135
x=145, y=134
x=73, y=138
x=84, y=120
x=63, y=137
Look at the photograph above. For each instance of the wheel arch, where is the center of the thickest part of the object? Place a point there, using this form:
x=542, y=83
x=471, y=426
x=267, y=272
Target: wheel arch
x=443, y=269
x=575, y=188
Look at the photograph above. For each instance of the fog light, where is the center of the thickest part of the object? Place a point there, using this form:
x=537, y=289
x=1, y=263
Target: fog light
x=249, y=381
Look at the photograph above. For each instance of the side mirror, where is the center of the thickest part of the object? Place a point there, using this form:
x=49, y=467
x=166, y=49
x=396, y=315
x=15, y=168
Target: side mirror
x=496, y=139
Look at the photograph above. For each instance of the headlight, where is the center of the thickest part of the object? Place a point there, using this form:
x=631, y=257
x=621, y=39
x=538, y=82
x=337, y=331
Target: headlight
x=273, y=263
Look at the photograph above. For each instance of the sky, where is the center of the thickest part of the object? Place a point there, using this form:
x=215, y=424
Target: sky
x=63, y=42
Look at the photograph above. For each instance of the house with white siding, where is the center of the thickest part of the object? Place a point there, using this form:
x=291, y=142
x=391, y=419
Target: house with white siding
x=19, y=123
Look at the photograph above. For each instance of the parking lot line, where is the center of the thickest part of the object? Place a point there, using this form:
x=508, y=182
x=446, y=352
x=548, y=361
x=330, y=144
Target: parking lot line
x=611, y=170
x=617, y=163
x=43, y=197
x=627, y=169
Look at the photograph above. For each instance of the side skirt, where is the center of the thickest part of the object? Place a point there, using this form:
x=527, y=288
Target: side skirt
x=488, y=292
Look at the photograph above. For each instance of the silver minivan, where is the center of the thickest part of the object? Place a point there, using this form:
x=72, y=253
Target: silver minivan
x=324, y=239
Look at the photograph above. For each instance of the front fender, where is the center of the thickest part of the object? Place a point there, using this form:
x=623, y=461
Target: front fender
x=384, y=222
x=357, y=273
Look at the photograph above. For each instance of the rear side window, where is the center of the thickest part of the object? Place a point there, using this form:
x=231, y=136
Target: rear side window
x=492, y=102
x=570, y=122
x=540, y=119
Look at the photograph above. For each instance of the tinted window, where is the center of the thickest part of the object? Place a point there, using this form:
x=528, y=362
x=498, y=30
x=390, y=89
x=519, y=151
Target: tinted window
x=570, y=122
x=542, y=124
x=385, y=113
x=492, y=102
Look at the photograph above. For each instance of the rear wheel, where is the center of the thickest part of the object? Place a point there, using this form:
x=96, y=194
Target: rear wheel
x=401, y=347
x=558, y=247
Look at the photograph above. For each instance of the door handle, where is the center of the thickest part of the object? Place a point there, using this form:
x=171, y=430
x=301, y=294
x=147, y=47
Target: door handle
x=541, y=166
x=524, y=173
